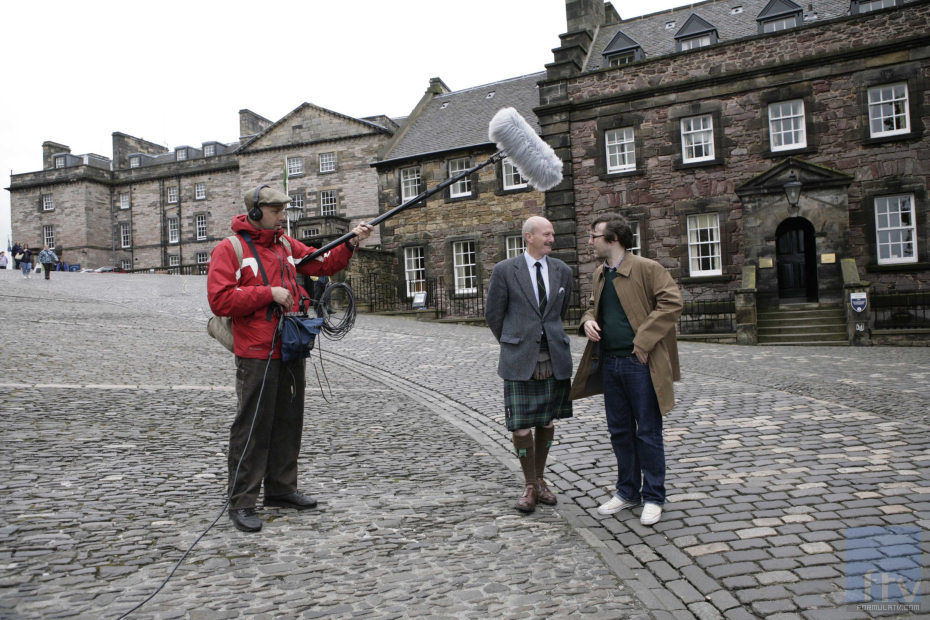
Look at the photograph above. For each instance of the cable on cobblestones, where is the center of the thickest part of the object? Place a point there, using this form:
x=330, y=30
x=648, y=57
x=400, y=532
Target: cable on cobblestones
x=232, y=486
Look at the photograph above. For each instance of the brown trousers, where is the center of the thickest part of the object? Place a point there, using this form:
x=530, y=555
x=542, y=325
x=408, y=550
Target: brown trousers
x=271, y=456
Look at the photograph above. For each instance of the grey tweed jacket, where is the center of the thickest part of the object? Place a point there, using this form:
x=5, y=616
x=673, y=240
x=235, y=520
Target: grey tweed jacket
x=513, y=315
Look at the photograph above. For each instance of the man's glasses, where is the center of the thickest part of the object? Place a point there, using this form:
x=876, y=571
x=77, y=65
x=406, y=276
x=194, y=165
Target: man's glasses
x=593, y=236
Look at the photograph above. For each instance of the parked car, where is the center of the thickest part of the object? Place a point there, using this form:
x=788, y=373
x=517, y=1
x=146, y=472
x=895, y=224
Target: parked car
x=109, y=269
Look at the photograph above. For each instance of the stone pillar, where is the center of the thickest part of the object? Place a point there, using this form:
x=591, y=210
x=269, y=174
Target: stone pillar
x=858, y=324
x=746, y=317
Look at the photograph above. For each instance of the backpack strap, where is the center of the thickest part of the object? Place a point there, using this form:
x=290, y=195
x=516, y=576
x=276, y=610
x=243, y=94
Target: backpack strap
x=261, y=269
x=237, y=246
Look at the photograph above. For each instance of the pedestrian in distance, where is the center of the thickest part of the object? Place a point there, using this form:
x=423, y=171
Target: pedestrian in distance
x=528, y=296
x=630, y=325
x=25, y=261
x=16, y=251
x=4, y=260
x=48, y=259
x=269, y=389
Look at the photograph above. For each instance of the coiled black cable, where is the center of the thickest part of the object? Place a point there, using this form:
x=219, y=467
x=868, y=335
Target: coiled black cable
x=336, y=324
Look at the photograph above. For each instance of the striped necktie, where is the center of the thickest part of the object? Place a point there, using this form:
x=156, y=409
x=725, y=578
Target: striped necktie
x=541, y=287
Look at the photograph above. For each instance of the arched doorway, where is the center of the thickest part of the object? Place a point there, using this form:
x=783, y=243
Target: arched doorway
x=796, y=256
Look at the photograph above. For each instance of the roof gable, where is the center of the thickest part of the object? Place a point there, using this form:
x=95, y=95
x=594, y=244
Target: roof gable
x=620, y=43
x=307, y=123
x=778, y=8
x=696, y=25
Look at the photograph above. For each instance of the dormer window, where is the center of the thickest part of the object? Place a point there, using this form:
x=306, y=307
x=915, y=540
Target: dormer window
x=866, y=6
x=181, y=154
x=779, y=15
x=209, y=150
x=696, y=33
x=61, y=161
x=135, y=162
x=622, y=50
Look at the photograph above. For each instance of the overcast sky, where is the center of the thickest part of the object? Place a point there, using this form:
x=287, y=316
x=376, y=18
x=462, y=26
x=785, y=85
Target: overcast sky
x=177, y=73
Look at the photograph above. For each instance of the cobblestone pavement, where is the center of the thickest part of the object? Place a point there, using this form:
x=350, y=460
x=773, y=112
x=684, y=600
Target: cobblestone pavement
x=789, y=470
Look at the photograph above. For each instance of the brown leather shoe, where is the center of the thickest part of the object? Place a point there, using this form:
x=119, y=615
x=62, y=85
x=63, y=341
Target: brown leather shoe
x=527, y=503
x=543, y=494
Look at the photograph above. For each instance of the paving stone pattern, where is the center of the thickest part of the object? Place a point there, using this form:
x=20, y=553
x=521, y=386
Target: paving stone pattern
x=115, y=457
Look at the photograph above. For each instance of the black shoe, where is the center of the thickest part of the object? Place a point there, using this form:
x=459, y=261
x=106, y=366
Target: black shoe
x=296, y=500
x=245, y=519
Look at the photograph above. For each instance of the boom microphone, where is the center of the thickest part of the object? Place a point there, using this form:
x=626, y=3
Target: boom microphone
x=534, y=159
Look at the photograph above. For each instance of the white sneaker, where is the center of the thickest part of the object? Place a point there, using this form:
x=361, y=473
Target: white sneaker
x=614, y=504
x=651, y=514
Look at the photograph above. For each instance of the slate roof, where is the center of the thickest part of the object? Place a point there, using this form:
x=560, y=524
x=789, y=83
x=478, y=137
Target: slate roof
x=460, y=119
x=658, y=39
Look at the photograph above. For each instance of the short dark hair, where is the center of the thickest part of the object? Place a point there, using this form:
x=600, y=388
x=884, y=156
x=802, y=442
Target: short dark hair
x=617, y=228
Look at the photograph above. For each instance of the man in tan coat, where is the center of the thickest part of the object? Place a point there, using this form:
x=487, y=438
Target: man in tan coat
x=635, y=307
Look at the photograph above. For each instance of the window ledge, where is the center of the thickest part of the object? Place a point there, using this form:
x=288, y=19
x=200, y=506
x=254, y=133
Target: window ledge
x=801, y=150
x=680, y=165
x=702, y=279
x=918, y=266
x=607, y=176
x=900, y=137
x=513, y=190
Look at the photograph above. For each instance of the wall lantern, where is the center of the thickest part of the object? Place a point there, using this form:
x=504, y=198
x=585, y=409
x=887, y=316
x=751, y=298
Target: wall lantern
x=793, y=190
x=292, y=212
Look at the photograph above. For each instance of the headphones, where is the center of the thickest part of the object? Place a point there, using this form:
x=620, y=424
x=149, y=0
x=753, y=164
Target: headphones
x=255, y=213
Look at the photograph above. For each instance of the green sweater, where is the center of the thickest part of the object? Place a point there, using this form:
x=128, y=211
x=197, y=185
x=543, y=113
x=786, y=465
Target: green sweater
x=616, y=332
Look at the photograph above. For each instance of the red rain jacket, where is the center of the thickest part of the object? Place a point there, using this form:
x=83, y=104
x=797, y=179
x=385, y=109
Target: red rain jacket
x=241, y=293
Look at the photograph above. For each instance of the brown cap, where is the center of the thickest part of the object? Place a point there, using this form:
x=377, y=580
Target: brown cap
x=266, y=196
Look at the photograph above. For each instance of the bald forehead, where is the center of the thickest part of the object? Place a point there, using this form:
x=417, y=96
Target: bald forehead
x=532, y=223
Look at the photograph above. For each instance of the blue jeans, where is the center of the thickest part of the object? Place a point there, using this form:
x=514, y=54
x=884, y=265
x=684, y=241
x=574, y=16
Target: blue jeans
x=635, y=425
x=26, y=267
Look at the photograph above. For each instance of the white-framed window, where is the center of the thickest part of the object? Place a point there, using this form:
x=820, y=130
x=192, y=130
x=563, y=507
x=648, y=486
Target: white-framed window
x=180, y=154
x=174, y=260
x=135, y=162
x=125, y=235
x=328, y=202
x=637, y=244
x=415, y=269
x=125, y=264
x=704, y=245
x=465, y=265
x=786, y=125
x=48, y=235
x=313, y=231
x=697, y=138
x=201, y=224
x=200, y=191
x=618, y=60
x=124, y=200
x=61, y=161
x=512, y=177
x=895, y=229
x=695, y=42
x=209, y=150
x=172, y=193
x=202, y=258
x=461, y=187
x=295, y=165
x=48, y=203
x=783, y=23
x=621, y=150
x=327, y=162
x=409, y=183
x=888, y=110
x=297, y=200
x=516, y=245
x=864, y=6
x=174, y=230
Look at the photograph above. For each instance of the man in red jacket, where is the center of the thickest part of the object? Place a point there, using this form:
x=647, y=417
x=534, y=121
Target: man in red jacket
x=240, y=291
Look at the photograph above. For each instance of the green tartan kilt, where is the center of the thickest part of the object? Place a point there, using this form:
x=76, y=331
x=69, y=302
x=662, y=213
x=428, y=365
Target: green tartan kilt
x=536, y=402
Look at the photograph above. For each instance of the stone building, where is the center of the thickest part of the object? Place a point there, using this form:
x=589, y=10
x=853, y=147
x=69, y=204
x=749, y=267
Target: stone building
x=151, y=208
x=456, y=236
x=693, y=121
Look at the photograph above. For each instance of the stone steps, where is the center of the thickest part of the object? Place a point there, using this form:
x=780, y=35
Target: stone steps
x=803, y=324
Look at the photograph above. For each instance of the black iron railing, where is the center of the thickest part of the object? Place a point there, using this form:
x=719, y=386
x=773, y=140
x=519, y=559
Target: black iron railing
x=893, y=309
x=713, y=316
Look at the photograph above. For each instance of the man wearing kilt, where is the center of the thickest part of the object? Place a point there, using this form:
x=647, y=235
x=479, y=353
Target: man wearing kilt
x=527, y=298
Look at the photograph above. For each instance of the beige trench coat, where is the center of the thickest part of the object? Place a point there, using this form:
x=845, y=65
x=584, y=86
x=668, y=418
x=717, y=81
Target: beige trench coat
x=652, y=303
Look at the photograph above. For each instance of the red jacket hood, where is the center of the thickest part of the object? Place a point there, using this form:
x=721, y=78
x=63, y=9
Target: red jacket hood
x=261, y=236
